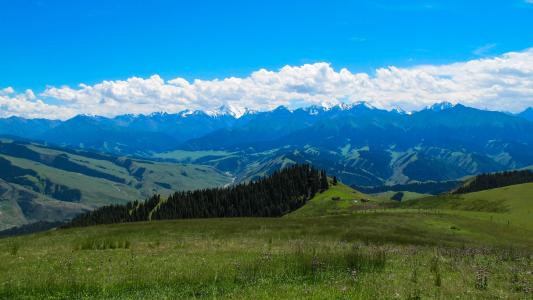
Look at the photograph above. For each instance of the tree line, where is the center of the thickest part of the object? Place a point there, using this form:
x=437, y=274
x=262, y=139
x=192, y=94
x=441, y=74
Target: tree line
x=276, y=195
x=495, y=180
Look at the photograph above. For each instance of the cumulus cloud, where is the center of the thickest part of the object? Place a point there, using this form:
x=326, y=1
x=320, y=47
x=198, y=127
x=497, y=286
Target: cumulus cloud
x=6, y=91
x=499, y=83
x=27, y=105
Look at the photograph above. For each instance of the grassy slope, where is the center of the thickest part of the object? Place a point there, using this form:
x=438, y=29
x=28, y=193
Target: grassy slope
x=163, y=178
x=324, y=250
x=325, y=257
x=385, y=196
x=178, y=176
x=183, y=155
x=511, y=204
x=323, y=203
x=19, y=206
x=95, y=191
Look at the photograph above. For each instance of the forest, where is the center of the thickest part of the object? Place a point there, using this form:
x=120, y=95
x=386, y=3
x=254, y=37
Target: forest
x=495, y=180
x=280, y=193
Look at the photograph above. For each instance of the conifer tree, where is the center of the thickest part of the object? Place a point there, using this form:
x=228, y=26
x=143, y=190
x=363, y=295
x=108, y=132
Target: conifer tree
x=273, y=196
x=324, y=185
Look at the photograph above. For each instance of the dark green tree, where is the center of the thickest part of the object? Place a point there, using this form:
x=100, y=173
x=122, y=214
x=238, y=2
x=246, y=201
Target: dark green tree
x=273, y=196
x=324, y=185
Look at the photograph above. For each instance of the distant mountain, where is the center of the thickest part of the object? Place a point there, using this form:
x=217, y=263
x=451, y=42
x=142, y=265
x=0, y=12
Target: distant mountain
x=27, y=128
x=129, y=134
x=527, y=114
x=362, y=145
x=39, y=183
x=440, y=106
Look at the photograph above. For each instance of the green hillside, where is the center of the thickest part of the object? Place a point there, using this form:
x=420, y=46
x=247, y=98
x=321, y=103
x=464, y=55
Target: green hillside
x=511, y=204
x=406, y=195
x=19, y=205
x=440, y=247
x=346, y=257
x=338, y=199
x=45, y=183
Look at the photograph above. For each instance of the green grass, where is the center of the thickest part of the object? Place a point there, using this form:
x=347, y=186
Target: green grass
x=179, y=177
x=99, y=191
x=432, y=248
x=386, y=196
x=362, y=256
x=183, y=155
x=512, y=205
x=22, y=204
x=95, y=191
x=338, y=199
x=36, y=206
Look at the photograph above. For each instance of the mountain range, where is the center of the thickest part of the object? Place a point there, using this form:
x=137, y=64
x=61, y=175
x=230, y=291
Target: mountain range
x=364, y=146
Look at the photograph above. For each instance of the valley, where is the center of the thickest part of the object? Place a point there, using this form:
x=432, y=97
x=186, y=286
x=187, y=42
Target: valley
x=40, y=183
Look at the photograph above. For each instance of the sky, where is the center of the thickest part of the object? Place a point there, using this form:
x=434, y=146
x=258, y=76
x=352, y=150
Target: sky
x=62, y=58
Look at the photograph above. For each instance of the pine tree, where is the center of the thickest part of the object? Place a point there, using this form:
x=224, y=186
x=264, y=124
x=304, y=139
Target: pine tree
x=324, y=185
x=273, y=196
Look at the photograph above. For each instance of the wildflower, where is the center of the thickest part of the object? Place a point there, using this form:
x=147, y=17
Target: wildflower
x=353, y=274
x=316, y=264
x=266, y=256
x=481, y=278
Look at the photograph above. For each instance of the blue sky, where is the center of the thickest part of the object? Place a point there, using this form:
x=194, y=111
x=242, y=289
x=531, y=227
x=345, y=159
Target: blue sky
x=69, y=42
x=65, y=43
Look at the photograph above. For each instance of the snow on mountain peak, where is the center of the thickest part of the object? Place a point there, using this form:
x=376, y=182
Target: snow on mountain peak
x=440, y=106
x=230, y=110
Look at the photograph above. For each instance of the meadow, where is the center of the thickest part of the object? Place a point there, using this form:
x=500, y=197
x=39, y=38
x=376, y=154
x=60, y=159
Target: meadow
x=373, y=253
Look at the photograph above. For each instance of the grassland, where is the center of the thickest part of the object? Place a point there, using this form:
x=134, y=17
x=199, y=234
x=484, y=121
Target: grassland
x=327, y=249
x=340, y=199
x=511, y=205
x=97, y=178
x=385, y=196
x=183, y=155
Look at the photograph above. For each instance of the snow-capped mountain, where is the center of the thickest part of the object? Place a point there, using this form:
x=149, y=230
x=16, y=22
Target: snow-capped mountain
x=440, y=106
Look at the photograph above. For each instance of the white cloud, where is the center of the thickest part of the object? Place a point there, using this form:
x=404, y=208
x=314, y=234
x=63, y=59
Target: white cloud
x=6, y=91
x=27, y=105
x=499, y=83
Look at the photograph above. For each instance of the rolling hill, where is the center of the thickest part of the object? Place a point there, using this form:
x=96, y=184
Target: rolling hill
x=508, y=201
x=511, y=204
x=40, y=183
x=337, y=200
x=422, y=248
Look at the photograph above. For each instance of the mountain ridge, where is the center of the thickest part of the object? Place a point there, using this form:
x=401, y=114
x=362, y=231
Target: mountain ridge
x=363, y=145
